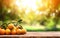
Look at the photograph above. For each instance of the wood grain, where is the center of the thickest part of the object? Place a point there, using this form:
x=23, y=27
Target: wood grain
x=35, y=35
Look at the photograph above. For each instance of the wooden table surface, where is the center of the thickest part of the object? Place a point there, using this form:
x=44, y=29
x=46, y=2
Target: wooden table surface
x=35, y=34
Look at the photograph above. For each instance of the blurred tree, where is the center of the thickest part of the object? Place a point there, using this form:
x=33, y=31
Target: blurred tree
x=7, y=12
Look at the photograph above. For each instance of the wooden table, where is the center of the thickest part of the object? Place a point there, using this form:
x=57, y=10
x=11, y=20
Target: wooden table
x=34, y=35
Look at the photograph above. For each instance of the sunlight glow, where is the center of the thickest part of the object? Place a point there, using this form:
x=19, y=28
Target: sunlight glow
x=17, y=2
x=29, y=3
x=32, y=4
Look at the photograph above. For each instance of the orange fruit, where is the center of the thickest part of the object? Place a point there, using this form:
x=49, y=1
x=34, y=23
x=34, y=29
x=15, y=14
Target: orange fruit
x=19, y=31
x=11, y=26
x=24, y=31
x=8, y=31
x=15, y=28
x=2, y=31
x=13, y=32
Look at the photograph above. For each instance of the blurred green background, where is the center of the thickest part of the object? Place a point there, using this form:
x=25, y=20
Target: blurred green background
x=43, y=19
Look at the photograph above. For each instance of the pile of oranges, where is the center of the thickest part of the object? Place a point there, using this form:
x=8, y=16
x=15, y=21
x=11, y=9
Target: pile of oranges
x=12, y=30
